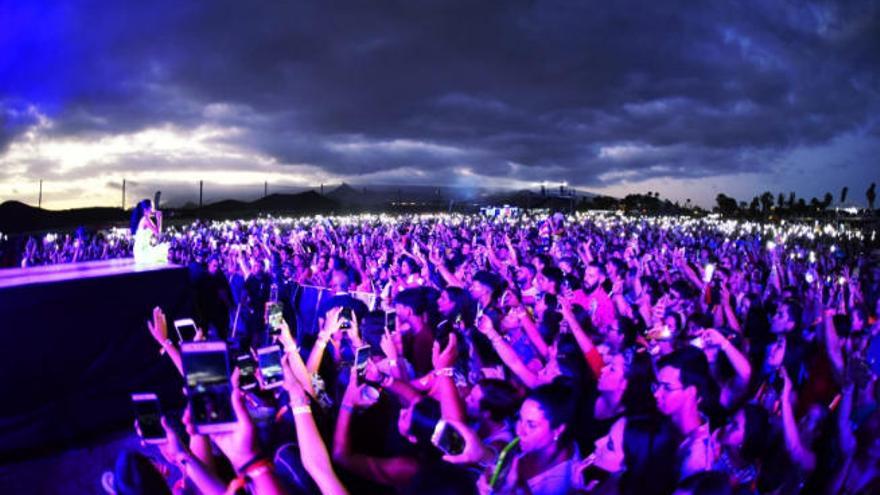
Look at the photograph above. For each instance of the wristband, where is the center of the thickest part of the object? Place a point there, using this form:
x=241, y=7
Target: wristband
x=299, y=410
x=346, y=408
x=167, y=343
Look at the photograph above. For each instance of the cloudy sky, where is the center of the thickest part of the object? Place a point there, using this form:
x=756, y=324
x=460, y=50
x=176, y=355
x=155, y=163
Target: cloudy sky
x=612, y=97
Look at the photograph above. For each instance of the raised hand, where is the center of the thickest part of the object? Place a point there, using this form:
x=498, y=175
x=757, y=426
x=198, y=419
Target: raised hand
x=388, y=346
x=158, y=327
x=173, y=450
x=354, y=394
x=240, y=444
x=445, y=358
x=474, y=450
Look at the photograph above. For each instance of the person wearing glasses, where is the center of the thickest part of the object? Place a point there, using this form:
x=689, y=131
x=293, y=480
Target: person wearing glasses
x=684, y=393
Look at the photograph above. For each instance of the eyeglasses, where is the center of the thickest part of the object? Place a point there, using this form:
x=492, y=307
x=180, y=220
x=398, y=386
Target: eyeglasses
x=664, y=386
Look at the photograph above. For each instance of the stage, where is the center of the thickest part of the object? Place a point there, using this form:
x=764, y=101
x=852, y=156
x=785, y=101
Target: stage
x=76, y=345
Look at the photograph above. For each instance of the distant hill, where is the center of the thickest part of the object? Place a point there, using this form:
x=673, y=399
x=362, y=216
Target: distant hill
x=19, y=217
x=16, y=217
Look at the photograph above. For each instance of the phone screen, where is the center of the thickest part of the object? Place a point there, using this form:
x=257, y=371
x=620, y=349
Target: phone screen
x=274, y=314
x=345, y=318
x=708, y=271
x=186, y=332
x=269, y=359
x=362, y=355
x=247, y=377
x=207, y=380
x=391, y=321
x=448, y=439
x=149, y=416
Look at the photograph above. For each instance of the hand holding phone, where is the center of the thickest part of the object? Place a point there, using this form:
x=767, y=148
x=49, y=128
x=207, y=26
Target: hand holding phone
x=247, y=366
x=271, y=374
x=446, y=438
x=148, y=417
x=391, y=321
x=206, y=373
x=361, y=356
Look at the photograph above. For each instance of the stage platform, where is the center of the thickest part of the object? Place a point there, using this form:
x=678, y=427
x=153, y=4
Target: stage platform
x=76, y=345
x=45, y=274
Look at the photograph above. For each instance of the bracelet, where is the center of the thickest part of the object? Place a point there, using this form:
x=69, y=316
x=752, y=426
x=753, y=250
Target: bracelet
x=167, y=343
x=346, y=408
x=253, y=461
x=299, y=410
x=259, y=470
x=444, y=372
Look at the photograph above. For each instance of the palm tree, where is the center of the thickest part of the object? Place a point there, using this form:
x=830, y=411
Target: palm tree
x=826, y=202
x=767, y=201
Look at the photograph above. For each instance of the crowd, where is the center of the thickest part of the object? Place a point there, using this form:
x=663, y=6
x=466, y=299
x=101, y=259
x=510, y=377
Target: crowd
x=592, y=353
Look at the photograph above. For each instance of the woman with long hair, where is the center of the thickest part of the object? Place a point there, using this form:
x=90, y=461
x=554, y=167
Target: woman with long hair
x=146, y=224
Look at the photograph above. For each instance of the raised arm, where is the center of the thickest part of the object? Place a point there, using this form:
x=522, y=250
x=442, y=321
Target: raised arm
x=799, y=453
x=159, y=330
x=190, y=465
x=532, y=331
x=832, y=341
x=448, y=276
x=737, y=359
x=444, y=389
x=388, y=471
x=507, y=354
x=312, y=451
x=591, y=354
x=331, y=326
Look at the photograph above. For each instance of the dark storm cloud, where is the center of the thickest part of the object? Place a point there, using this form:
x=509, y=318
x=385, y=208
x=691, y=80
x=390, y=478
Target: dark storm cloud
x=552, y=87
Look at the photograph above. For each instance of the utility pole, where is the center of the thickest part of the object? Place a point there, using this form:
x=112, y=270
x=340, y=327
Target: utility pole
x=201, y=190
x=123, y=194
x=40, y=199
x=265, y=189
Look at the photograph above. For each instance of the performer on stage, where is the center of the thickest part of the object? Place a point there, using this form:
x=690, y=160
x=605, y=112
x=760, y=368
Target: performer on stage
x=145, y=229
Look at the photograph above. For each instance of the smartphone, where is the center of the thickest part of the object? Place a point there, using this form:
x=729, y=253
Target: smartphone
x=708, y=271
x=269, y=362
x=247, y=377
x=345, y=318
x=148, y=414
x=274, y=317
x=391, y=321
x=186, y=329
x=361, y=356
x=447, y=438
x=206, y=372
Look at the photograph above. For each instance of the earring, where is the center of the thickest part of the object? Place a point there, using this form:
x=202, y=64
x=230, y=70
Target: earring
x=556, y=438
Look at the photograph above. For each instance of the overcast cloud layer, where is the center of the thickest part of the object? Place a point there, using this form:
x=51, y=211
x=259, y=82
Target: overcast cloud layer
x=617, y=97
